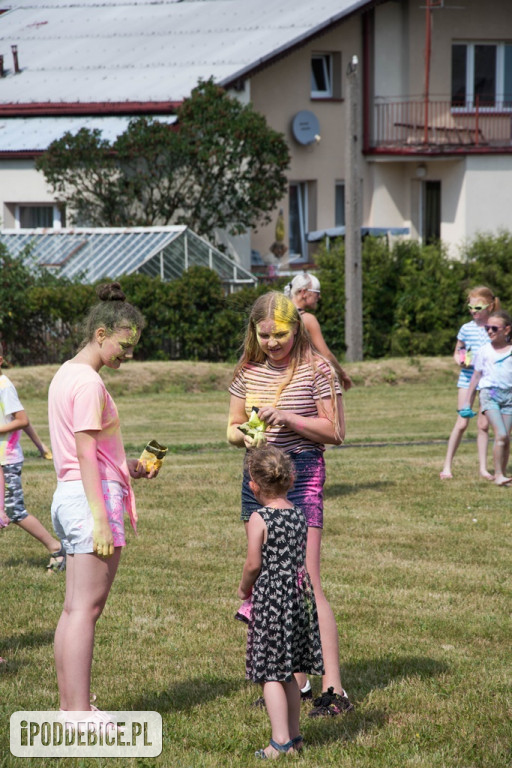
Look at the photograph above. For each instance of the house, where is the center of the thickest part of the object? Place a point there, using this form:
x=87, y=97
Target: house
x=435, y=100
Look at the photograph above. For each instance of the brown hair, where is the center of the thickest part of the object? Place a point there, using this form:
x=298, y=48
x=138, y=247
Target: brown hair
x=488, y=296
x=280, y=308
x=112, y=312
x=271, y=469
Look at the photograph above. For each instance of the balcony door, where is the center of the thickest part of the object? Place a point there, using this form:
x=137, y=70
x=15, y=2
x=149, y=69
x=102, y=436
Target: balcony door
x=431, y=212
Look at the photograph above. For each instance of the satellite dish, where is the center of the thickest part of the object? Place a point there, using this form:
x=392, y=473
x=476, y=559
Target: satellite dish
x=305, y=127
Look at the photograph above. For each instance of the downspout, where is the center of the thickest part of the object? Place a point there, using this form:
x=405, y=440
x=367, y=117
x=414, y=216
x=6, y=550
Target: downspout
x=367, y=60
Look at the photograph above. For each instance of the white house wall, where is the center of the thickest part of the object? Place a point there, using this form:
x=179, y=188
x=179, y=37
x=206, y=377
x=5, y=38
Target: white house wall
x=283, y=90
x=391, y=50
x=21, y=183
x=488, y=194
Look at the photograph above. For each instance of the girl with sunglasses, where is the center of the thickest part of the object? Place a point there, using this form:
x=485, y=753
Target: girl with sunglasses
x=471, y=336
x=493, y=374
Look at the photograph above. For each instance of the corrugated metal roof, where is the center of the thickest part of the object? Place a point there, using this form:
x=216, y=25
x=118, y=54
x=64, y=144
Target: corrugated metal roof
x=141, y=50
x=91, y=254
x=25, y=134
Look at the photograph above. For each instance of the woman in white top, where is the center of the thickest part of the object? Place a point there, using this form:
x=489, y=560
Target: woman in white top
x=304, y=291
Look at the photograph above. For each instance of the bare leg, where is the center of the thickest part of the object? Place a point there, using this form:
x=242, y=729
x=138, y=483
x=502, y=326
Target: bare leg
x=501, y=445
x=88, y=582
x=326, y=620
x=293, y=697
x=36, y=529
x=455, y=436
x=482, y=441
x=276, y=702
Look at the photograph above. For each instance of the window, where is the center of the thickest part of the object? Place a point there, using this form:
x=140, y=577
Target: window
x=482, y=75
x=321, y=76
x=38, y=216
x=326, y=76
x=302, y=217
x=298, y=218
x=339, y=205
x=432, y=214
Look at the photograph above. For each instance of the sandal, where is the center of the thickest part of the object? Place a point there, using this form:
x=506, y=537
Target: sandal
x=55, y=564
x=298, y=742
x=278, y=747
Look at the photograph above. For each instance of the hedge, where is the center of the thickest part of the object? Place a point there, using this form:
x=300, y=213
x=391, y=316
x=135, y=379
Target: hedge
x=413, y=303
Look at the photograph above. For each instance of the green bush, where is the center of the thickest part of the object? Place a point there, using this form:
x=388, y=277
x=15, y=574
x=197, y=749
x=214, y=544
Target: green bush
x=413, y=303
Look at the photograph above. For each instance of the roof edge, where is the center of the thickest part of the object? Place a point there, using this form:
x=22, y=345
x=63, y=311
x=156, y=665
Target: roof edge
x=68, y=109
x=277, y=53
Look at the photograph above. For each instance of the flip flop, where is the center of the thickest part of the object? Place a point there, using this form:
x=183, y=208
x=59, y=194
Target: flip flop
x=57, y=565
x=445, y=476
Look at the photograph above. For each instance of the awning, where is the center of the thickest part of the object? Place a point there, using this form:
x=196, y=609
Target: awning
x=320, y=234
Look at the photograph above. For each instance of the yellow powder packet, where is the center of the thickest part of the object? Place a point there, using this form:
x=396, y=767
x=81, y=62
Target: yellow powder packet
x=153, y=455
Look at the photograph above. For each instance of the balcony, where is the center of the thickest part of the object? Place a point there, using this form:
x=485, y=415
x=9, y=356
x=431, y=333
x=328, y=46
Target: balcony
x=416, y=126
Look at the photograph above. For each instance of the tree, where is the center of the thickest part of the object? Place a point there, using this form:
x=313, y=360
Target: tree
x=220, y=166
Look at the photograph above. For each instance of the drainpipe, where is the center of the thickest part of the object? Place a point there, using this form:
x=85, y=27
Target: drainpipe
x=1, y=66
x=14, y=49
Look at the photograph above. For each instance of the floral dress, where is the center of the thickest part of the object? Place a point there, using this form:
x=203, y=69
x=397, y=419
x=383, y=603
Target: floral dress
x=283, y=635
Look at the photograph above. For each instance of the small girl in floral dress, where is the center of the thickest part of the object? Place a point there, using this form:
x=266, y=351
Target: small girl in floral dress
x=283, y=636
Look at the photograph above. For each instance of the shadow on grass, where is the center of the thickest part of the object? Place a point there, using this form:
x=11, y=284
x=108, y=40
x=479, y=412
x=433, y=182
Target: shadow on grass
x=344, y=489
x=182, y=697
x=27, y=640
x=360, y=678
x=19, y=642
x=30, y=562
x=364, y=676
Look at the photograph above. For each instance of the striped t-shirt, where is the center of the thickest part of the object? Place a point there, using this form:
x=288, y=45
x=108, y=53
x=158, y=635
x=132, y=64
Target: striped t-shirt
x=473, y=336
x=257, y=384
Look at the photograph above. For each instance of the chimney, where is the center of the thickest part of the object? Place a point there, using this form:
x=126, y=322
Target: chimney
x=14, y=49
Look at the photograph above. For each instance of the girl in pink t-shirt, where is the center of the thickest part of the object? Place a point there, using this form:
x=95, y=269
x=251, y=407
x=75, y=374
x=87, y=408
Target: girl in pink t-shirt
x=93, y=490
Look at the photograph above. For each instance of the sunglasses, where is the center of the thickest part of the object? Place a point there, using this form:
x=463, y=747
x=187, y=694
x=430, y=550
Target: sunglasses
x=477, y=307
x=494, y=328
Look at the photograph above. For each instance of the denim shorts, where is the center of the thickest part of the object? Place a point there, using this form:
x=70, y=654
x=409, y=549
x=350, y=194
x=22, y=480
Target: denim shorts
x=307, y=492
x=72, y=517
x=14, y=504
x=496, y=399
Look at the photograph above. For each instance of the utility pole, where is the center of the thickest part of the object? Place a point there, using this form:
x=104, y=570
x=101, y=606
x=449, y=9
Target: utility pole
x=353, y=219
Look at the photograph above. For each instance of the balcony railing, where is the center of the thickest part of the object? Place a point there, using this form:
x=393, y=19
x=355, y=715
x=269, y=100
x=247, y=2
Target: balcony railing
x=416, y=125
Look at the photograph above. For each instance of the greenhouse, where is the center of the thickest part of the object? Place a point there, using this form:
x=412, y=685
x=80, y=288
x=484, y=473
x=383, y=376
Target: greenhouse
x=92, y=254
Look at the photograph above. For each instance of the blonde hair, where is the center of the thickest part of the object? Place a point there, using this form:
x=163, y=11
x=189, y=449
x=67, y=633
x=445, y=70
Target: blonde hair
x=487, y=295
x=271, y=469
x=274, y=305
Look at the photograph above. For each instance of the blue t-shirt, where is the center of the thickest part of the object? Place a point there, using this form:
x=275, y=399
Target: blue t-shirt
x=473, y=336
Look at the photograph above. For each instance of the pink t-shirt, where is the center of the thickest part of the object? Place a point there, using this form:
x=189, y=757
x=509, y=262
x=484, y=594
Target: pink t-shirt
x=78, y=401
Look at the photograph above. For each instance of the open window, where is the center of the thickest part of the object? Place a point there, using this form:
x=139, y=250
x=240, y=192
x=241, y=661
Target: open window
x=326, y=76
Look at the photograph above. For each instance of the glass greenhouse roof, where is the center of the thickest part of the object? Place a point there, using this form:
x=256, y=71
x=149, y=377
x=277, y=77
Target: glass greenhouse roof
x=91, y=254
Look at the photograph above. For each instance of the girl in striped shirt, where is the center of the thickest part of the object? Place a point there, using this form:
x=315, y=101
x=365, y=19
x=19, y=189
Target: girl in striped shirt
x=471, y=336
x=299, y=398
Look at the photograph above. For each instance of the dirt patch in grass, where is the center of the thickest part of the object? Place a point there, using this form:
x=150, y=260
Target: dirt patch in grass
x=188, y=376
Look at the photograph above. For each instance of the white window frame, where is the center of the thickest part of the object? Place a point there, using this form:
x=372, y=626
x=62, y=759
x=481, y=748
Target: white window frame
x=327, y=65
x=499, y=94
x=57, y=217
x=303, y=206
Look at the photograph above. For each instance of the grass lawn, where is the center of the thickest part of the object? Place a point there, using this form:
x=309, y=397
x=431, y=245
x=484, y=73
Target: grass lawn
x=418, y=572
